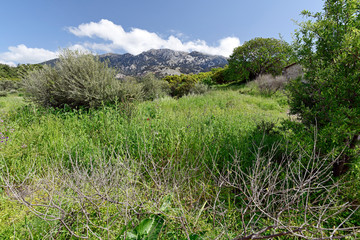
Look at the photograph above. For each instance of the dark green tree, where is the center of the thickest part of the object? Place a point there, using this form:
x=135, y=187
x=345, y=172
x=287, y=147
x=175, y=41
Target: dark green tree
x=328, y=47
x=259, y=56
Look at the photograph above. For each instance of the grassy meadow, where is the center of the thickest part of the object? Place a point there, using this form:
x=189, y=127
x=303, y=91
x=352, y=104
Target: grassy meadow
x=84, y=155
x=165, y=142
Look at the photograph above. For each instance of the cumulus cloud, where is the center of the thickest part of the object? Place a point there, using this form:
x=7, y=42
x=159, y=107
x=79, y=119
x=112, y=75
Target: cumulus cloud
x=105, y=36
x=23, y=54
x=138, y=40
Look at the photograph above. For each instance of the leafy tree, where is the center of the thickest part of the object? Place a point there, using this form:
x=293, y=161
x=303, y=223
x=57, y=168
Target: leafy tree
x=259, y=56
x=328, y=48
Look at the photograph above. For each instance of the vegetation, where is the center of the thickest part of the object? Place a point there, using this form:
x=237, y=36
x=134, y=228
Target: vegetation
x=259, y=56
x=154, y=88
x=77, y=80
x=10, y=77
x=93, y=157
x=185, y=84
x=329, y=96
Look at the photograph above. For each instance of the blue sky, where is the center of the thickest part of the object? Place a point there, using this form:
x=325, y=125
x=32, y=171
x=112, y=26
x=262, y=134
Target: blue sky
x=34, y=31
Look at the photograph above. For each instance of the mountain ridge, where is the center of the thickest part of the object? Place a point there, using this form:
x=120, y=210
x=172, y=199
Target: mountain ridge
x=161, y=62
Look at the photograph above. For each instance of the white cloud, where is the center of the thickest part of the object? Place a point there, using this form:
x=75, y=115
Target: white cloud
x=113, y=38
x=138, y=40
x=12, y=64
x=23, y=54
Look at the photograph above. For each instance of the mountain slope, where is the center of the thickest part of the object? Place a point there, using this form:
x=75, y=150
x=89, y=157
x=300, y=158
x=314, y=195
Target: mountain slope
x=162, y=62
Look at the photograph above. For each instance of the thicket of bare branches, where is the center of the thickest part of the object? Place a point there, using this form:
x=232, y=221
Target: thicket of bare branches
x=294, y=196
x=268, y=84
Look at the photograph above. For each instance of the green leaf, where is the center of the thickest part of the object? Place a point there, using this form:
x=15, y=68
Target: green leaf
x=148, y=229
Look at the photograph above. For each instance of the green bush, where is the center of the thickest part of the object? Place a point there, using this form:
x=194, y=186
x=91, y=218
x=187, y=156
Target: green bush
x=154, y=88
x=3, y=93
x=7, y=84
x=185, y=84
x=199, y=88
x=77, y=79
x=180, y=85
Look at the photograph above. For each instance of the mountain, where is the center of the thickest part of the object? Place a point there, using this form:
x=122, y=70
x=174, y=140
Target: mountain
x=162, y=62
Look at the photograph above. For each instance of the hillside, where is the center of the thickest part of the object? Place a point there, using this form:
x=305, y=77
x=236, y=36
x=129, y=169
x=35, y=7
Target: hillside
x=162, y=62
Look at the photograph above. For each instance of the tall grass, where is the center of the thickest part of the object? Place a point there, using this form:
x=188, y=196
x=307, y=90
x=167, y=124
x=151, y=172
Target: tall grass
x=182, y=132
x=181, y=164
x=165, y=128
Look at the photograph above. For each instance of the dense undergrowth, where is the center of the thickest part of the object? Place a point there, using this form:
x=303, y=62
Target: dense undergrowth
x=87, y=156
x=168, y=168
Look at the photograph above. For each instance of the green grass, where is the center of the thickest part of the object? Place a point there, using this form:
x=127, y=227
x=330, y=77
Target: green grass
x=10, y=102
x=165, y=127
x=220, y=123
x=167, y=152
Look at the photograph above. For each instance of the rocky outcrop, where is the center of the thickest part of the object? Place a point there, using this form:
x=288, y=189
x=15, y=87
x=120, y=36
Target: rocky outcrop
x=163, y=62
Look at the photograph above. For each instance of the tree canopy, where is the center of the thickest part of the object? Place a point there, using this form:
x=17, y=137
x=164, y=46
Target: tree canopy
x=328, y=48
x=259, y=56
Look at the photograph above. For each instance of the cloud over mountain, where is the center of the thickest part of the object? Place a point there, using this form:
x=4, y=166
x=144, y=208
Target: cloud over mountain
x=106, y=36
x=138, y=40
x=23, y=54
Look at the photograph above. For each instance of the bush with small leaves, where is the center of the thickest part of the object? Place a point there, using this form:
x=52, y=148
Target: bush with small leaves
x=77, y=80
x=199, y=88
x=153, y=87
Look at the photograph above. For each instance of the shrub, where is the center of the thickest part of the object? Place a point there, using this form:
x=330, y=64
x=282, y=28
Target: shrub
x=268, y=84
x=222, y=75
x=154, y=88
x=3, y=93
x=7, y=84
x=199, y=88
x=180, y=85
x=185, y=84
x=131, y=90
x=77, y=79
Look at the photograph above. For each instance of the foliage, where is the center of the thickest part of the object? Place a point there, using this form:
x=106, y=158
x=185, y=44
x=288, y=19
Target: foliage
x=328, y=47
x=154, y=88
x=76, y=80
x=8, y=85
x=15, y=73
x=199, y=88
x=7, y=71
x=221, y=75
x=10, y=77
x=173, y=169
x=3, y=93
x=259, y=56
x=181, y=85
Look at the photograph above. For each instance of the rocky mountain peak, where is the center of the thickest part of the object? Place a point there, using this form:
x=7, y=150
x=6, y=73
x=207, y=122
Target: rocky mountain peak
x=162, y=62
